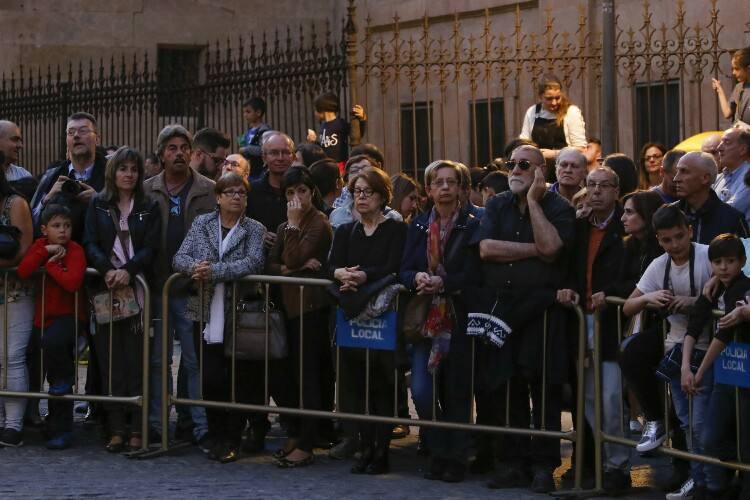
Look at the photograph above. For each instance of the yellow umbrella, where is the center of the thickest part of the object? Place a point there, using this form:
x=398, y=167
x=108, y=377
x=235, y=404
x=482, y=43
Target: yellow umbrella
x=694, y=143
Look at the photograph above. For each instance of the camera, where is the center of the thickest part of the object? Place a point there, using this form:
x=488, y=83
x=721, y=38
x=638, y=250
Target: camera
x=71, y=187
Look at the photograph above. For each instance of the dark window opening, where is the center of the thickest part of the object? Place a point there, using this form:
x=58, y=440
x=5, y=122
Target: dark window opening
x=487, y=117
x=178, y=78
x=657, y=107
x=416, y=137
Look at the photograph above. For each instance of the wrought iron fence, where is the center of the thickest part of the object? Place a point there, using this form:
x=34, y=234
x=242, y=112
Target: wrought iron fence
x=453, y=86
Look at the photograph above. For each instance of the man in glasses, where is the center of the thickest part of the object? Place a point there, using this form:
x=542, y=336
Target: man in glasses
x=210, y=148
x=522, y=239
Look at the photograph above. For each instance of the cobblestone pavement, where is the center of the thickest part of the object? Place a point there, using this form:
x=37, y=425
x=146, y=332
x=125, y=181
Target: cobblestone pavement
x=87, y=471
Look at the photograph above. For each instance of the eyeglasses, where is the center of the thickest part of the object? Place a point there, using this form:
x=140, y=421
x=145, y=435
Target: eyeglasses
x=81, y=132
x=653, y=157
x=522, y=164
x=233, y=164
x=600, y=185
x=444, y=182
x=277, y=153
x=218, y=160
x=362, y=193
x=238, y=195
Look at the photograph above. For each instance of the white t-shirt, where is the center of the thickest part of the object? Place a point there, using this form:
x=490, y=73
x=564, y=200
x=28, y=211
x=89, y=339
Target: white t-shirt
x=679, y=278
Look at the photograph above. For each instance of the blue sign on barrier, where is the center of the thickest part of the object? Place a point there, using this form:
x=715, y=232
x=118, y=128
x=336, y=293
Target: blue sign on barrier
x=732, y=367
x=376, y=333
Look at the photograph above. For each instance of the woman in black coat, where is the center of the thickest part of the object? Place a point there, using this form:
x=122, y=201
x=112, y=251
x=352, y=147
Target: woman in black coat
x=120, y=237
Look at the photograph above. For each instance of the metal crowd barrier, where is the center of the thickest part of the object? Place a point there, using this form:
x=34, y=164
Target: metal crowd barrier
x=168, y=400
x=600, y=437
x=139, y=401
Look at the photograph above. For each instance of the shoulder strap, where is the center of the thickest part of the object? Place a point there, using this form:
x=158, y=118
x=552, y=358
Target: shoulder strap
x=691, y=270
x=537, y=109
x=120, y=236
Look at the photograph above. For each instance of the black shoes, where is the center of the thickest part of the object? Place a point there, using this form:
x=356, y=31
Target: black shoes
x=509, y=477
x=616, y=480
x=446, y=470
x=542, y=482
x=11, y=438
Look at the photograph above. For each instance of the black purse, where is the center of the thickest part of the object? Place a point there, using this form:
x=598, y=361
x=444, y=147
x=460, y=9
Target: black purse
x=10, y=236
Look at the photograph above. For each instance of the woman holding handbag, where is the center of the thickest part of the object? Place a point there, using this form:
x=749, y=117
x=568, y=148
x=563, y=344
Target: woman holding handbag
x=120, y=238
x=220, y=247
x=300, y=250
x=16, y=237
x=364, y=260
x=438, y=264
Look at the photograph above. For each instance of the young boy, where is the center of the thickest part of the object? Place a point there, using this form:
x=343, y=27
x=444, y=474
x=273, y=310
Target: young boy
x=492, y=184
x=727, y=254
x=64, y=264
x=336, y=133
x=253, y=110
x=673, y=282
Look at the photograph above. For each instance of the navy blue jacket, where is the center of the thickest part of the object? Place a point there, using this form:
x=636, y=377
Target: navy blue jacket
x=714, y=218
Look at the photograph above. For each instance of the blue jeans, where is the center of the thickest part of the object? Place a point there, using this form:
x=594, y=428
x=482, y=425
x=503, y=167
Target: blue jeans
x=182, y=327
x=700, y=408
x=20, y=315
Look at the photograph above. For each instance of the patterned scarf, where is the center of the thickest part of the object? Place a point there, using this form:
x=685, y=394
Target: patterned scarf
x=440, y=316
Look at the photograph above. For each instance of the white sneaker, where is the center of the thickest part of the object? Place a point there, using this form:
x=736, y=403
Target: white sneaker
x=653, y=436
x=636, y=426
x=684, y=493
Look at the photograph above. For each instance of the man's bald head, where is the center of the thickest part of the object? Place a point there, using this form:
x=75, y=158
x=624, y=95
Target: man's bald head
x=710, y=145
x=11, y=142
x=700, y=160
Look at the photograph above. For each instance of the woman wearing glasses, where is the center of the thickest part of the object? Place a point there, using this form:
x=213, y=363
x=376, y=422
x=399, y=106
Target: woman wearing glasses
x=649, y=170
x=301, y=248
x=365, y=257
x=220, y=247
x=438, y=263
x=121, y=235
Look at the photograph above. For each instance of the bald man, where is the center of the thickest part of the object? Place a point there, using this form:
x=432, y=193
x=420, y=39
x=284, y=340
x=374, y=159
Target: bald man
x=707, y=214
x=710, y=145
x=236, y=163
x=734, y=156
x=11, y=144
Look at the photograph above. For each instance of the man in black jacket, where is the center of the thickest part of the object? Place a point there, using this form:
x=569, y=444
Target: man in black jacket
x=595, y=264
x=75, y=181
x=707, y=214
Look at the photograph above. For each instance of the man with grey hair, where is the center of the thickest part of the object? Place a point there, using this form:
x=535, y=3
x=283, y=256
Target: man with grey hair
x=710, y=145
x=707, y=214
x=11, y=143
x=570, y=169
x=181, y=194
x=522, y=240
x=595, y=259
x=734, y=156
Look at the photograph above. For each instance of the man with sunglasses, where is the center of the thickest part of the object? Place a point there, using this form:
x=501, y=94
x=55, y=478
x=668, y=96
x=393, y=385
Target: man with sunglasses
x=522, y=238
x=210, y=148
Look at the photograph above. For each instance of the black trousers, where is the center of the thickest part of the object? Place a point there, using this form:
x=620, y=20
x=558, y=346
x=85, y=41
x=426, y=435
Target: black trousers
x=58, y=346
x=226, y=425
x=316, y=380
x=127, y=371
x=352, y=387
x=530, y=453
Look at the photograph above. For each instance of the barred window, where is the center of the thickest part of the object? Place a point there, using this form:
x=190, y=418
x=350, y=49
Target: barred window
x=487, y=117
x=416, y=137
x=657, y=114
x=177, y=77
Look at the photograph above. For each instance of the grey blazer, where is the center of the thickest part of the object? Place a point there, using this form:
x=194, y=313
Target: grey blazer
x=244, y=255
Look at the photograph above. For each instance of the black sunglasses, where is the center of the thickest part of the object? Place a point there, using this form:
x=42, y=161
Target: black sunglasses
x=522, y=164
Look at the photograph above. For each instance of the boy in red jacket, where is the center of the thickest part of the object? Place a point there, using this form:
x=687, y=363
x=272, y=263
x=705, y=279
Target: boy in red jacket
x=64, y=264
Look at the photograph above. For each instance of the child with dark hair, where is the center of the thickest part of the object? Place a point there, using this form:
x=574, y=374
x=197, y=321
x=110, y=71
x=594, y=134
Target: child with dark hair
x=492, y=184
x=254, y=113
x=64, y=264
x=336, y=134
x=673, y=283
x=727, y=255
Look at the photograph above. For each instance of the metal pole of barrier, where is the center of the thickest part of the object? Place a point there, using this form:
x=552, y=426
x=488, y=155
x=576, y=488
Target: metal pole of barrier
x=580, y=397
x=507, y=403
x=667, y=391
x=597, y=403
x=234, y=341
x=395, y=376
x=690, y=422
x=41, y=331
x=75, y=334
x=145, y=390
x=5, y=331
x=622, y=381
x=301, y=344
x=265, y=357
x=111, y=329
x=337, y=383
x=544, y=372
x=367, y=381
x=200, y=338
x=737, y=416
x=471, y=396
x=434, y=396
x=165, y=400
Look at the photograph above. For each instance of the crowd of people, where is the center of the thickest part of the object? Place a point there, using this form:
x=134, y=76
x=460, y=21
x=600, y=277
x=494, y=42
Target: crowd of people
x=492, y=259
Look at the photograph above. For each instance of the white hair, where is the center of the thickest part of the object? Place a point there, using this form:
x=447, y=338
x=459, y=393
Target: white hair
x=704, y=161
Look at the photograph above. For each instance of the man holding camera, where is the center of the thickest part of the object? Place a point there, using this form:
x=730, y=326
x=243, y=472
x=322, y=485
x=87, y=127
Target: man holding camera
x=73, y=182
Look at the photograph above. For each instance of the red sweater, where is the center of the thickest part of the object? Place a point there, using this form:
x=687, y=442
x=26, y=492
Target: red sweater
x=64, y=278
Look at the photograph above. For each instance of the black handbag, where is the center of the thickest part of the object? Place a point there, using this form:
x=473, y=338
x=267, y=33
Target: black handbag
x=9, y=241
x=670, y=367
x=250, y=340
